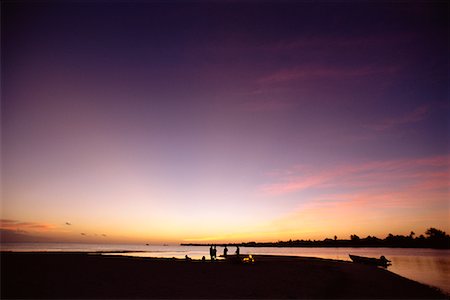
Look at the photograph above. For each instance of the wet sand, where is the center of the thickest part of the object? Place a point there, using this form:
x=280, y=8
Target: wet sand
x=82, y=275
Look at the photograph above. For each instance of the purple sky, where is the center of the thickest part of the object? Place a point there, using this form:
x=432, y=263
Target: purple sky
x=224, y=121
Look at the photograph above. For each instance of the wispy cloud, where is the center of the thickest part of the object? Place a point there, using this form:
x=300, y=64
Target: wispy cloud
x=417, y=115
x=340, y=42
x=376, y=173
x=26, y=226
x=309, y=72
x=259, y=105
x=374, y=197
x=367, y=212
x=297, y=45
x=273, y=91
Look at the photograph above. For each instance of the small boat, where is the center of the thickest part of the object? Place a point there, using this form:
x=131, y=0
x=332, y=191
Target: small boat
x=382, y=261
x=239, y=259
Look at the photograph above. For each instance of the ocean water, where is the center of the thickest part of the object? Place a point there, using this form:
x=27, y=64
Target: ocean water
x=429, y=266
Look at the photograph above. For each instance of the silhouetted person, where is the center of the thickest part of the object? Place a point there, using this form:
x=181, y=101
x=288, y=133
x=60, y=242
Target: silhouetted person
x=203, y=258
x=384, y=259
x=237, y=250
x=187, y=258
x=211, y=252
x=215, y=252
x=225, y=251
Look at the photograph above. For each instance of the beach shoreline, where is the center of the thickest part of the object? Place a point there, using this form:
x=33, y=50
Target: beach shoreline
x=82, y=275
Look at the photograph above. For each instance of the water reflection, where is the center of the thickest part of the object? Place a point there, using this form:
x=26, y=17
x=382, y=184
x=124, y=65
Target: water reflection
x=423, y=269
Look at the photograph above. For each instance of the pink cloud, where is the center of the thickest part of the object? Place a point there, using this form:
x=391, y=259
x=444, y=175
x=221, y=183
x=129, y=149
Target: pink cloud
x=389, y=197
x=25, y=226
x=372, y=210
x=417, y=115
x=271, y=105
x=339, y=42
x=430, y=170
x=317, y=71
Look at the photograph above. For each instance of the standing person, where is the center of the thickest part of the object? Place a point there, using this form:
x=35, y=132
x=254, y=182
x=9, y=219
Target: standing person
x=215, y=252
x=225, y=251
x=211, y=252
x=237, y=250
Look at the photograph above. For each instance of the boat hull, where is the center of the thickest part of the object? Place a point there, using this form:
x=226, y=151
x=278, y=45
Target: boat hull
x=370, y=261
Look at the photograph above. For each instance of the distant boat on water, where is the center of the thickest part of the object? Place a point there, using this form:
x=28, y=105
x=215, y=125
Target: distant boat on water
x=382, y=261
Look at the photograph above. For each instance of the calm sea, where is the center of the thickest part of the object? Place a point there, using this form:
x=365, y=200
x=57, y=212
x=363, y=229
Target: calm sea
x=429, y=266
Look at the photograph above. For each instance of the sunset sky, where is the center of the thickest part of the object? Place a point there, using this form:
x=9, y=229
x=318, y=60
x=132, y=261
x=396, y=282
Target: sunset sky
x=228, y=121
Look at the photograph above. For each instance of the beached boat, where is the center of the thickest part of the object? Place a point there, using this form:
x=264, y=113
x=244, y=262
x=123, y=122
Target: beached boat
x=239, y=258
x=382, y=261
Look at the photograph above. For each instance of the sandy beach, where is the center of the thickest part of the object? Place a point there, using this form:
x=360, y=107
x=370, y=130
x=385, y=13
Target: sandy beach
x=82, y=275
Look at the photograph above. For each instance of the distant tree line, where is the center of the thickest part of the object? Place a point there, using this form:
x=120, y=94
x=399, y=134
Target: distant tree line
x=433, y=238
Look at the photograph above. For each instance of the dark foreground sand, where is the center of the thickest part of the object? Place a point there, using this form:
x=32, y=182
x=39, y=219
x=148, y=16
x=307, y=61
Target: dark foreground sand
x=82, y=275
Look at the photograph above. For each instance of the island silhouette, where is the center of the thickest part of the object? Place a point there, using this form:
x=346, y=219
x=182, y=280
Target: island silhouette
x=433, y=238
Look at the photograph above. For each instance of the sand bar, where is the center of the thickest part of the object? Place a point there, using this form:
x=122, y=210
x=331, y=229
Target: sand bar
x=82, y=275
